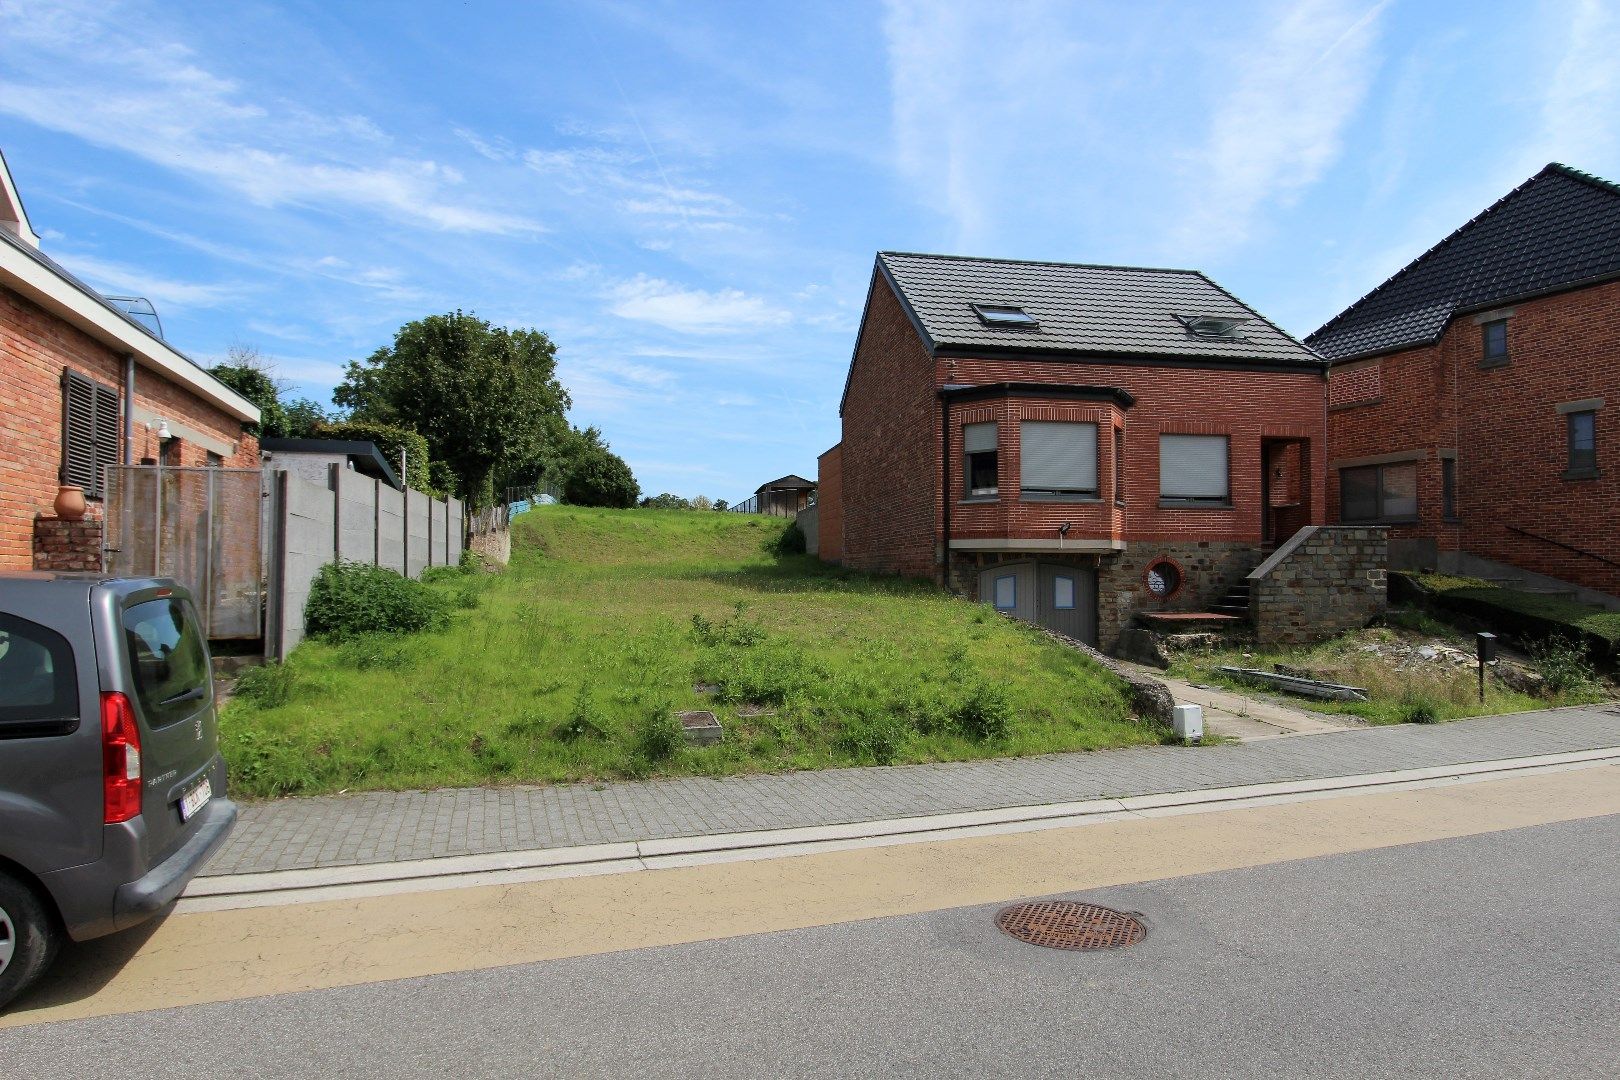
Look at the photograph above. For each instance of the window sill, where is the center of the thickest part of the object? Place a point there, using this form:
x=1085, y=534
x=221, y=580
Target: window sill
x=1494, y=361
x=1382, y=521
x=1037, y=497
x=1179, y=504
x=971, y=500
x=1581, y=474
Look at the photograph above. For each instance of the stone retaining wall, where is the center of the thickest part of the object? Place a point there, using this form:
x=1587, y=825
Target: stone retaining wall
x=1324, y=581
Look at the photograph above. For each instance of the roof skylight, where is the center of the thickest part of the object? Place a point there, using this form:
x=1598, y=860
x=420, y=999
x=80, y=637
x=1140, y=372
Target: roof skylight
x=1213, y=327
x=1005, y=317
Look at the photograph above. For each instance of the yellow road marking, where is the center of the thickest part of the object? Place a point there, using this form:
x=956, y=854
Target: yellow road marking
x=226, y=955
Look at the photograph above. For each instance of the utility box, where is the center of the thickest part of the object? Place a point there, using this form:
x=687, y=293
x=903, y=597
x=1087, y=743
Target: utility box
x=1486, y=646
x=1188, y=721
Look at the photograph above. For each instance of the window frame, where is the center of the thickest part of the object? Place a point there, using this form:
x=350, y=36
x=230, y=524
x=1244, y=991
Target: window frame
x=1587, y=467
x=981, y=494
x=1448, y=488
x=1119, y=466
x=1076, y=494
x=1195, y=502
x=1381, y=517
x=995, y=588
x=986, y=312
x=1487, y=358
x=1074, y=592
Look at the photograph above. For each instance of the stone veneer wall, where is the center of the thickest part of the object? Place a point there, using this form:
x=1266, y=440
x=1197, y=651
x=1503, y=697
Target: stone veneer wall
x=67, y=545
x=1209, y=568
x=1326, y=580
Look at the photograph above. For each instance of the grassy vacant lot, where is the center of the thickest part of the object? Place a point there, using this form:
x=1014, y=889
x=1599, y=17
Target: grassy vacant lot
x=1549, y=612
x=1401, y=688
x=554, y=670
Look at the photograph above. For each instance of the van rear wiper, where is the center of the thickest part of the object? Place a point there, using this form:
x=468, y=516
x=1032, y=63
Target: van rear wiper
x=185, y=695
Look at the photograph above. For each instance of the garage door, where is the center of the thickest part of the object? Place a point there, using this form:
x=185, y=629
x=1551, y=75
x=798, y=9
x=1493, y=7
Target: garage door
x=1054, y=595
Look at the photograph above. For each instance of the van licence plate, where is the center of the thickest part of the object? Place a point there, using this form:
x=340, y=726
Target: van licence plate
x=195, y=799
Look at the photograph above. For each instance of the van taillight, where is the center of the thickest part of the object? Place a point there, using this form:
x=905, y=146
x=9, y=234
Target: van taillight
x=120, y=759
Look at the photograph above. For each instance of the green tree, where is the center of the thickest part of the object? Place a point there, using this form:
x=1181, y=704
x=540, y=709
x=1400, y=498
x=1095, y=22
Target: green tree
x=485, y=397
x=587, y=471
x=250, y=375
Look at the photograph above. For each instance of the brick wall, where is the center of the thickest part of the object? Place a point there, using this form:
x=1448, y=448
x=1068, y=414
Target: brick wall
x=1507, y=433
x=1325, y=581
x=67, y=545
x=890, y=446
x=34, y=348
x=830, y=505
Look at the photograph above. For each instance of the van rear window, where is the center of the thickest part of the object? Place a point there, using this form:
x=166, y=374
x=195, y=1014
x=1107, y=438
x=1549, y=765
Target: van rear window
x=168, y=660
x=39, y=688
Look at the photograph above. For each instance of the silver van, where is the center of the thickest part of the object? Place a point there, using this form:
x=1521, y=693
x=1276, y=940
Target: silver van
x=112, y=788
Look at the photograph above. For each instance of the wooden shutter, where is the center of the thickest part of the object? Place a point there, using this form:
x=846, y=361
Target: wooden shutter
x=1058, y=456
x=1193, y=467
x=89, y=432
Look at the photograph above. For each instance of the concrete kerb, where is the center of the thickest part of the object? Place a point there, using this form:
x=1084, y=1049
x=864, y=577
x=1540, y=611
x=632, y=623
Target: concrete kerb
x=349, y=882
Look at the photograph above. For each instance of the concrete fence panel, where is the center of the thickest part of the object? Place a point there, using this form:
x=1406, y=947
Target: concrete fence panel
x=390, y=546
x=356, y=502
x=417, y=506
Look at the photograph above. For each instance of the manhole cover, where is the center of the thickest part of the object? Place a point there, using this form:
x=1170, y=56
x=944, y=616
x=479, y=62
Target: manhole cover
x=1062, y=924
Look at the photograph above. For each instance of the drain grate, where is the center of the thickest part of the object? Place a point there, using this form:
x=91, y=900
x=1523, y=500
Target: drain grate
x=1063, y=924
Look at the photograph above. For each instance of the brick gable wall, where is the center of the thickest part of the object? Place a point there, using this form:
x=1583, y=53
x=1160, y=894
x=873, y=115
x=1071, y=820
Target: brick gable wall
x=34, y=348
x=830, y=505
x=890, y=446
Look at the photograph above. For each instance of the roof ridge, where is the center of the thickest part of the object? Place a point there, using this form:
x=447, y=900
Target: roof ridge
x=1039, y=262
x=1550, y=168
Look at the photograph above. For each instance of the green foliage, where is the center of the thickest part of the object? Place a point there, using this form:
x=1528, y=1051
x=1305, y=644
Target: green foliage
x=485, y=397
x=789, y=542
x=304, y=418
x=816, y=667
x=253, y=382
x=659, y=736
x=390, y=440
x=1562, y=663
x=984, y=714
x=875, y=739
x=722, y=505
x=587, y=472
x=1418, y=710
x=666, y=501
x=265, y=687
x=348, y=599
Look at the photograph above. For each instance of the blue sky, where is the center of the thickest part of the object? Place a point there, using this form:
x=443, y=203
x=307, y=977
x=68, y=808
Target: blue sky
x=688, y=196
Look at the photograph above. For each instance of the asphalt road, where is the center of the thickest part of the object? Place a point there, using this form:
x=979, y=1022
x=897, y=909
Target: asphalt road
x=1493, y=955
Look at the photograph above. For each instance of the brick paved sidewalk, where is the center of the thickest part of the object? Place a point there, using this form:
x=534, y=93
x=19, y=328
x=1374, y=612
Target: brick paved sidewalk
x=344, y=830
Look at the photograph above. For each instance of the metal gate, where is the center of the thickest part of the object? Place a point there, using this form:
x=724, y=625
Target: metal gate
x=203, y=527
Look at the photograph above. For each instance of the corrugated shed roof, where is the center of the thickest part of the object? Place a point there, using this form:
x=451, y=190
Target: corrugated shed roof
x=1081, y=308
x=1559, y=228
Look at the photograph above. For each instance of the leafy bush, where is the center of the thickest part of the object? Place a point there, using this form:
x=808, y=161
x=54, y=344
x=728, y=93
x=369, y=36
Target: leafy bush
x=789, y=542
x=984, y=714
x=265, y=687
x=1563, y=664
x=434, y=575
x=348, y=599
x=581, y=723
x=660, y=736
x=1419, y=710
x=735, y=631
x=877, y=738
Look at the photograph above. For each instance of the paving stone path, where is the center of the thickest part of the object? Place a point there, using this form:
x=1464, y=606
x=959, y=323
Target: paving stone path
x=345, y=830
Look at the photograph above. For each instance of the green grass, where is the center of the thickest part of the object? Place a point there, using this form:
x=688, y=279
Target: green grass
x=1426, y=694
x=569, y=661
x=1588, y=618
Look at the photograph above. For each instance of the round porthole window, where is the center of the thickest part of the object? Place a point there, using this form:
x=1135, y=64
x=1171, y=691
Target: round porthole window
x=1163, y=579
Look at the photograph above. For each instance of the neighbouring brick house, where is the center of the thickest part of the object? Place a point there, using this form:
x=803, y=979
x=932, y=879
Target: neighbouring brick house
x=82, y=386
x=1070, y=443
x=1469, y=394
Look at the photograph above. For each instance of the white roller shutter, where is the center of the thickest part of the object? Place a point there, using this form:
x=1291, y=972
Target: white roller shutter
x=1058, y=456
x=1193, y=467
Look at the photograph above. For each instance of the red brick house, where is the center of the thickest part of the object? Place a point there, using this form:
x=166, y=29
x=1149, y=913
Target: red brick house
x=1071, y=443
x=1468, y=395
x=83, y=385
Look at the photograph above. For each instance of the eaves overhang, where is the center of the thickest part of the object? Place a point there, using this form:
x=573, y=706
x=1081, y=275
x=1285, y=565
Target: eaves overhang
x=39, y=281
x=960, y=392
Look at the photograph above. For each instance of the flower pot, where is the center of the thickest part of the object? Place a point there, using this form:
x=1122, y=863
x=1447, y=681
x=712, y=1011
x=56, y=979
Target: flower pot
x=70, y=503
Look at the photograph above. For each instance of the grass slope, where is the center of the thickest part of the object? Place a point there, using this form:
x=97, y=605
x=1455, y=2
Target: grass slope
x=591, y=631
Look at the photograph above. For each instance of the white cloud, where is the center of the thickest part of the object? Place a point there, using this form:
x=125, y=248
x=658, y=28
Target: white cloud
x=1580, y=111
x=119, y=279
x=156, y=100
x=1282, y=123
x=692, y=311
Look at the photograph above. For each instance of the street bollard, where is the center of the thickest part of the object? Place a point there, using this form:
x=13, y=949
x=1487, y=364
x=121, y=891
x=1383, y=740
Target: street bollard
x=1485, y=648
